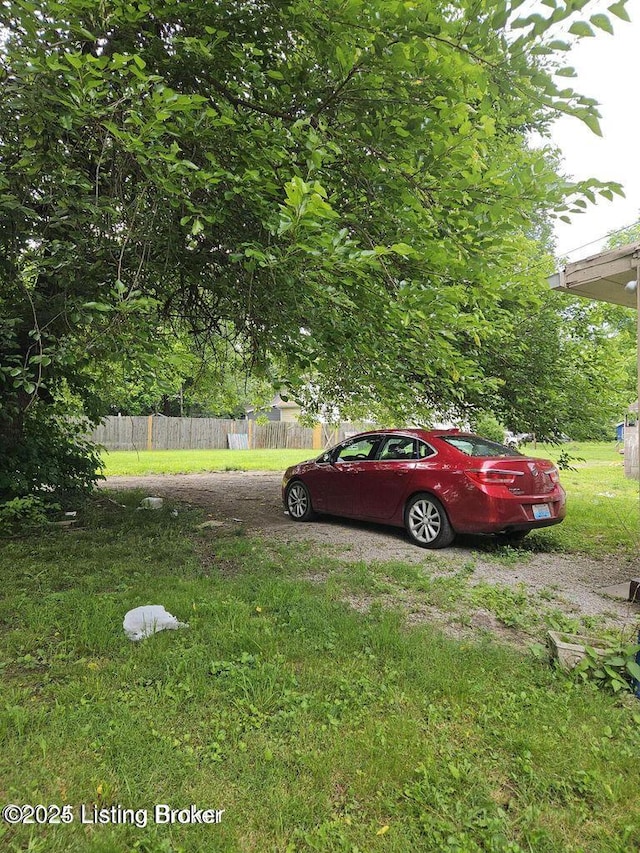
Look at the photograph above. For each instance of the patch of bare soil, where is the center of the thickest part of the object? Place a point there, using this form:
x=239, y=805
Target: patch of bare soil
x=576, y=583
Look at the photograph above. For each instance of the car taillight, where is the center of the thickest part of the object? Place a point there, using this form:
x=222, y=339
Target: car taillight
x=493, y=476
x=553, y=475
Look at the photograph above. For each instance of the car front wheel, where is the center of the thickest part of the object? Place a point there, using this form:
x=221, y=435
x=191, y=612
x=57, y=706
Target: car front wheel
x=426, y=522
x=299, y=502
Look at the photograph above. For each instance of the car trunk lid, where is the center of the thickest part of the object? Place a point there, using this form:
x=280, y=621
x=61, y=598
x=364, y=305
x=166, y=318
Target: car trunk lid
x=521, y=475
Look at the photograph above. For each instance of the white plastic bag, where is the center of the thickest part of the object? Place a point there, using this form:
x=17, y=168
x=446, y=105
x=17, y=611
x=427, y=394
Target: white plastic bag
x=142, y=622
x=152, y=503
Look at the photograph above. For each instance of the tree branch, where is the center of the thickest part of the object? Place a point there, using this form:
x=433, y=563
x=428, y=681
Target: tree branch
x=251, y=105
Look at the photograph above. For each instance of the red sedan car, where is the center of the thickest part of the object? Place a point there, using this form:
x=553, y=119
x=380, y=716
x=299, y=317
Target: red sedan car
x=433, y=483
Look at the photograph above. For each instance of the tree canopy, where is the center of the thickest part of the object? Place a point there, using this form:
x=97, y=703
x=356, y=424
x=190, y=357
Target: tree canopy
x=343, y=191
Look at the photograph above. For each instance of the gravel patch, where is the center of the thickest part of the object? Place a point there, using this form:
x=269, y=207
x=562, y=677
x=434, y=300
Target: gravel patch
x=575, y=583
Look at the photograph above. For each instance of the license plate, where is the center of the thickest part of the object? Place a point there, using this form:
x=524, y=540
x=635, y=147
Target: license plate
x=541, y=511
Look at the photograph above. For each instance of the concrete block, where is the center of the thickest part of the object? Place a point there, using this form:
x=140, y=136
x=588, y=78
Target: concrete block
x=569, y=649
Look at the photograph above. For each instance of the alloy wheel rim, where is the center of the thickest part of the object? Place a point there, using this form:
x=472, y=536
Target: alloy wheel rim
x=425, y=522
x=297, y=501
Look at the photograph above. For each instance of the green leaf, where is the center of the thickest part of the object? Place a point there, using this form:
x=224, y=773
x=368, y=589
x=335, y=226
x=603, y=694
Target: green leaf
x=540, y=23
x=112, y=128
x=619, y=10
x=592, y=122
x=581, y=29
x=97, y=306
x=633, y=669
x=74, y=60
x=403, y=249
x=602, y=22
x=85, y=33
x=500, y=18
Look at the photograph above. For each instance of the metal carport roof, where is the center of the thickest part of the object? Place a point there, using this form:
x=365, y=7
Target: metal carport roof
x=612, y=276
x=608, y=276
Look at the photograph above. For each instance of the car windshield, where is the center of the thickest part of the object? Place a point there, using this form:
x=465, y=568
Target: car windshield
x=474, y=445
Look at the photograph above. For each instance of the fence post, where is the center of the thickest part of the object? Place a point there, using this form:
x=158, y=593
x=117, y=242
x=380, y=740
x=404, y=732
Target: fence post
x=150, y=432
x=317, y=437
x=250, y=434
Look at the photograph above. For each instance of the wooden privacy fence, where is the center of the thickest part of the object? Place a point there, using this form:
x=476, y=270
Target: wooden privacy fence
x=159, y=433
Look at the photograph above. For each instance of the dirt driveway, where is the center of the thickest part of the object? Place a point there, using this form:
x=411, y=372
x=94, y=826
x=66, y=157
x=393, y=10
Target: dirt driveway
x=252, y=499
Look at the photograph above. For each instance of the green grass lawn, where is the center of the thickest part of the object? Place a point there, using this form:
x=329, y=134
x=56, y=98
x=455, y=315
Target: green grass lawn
x=314, y=726
x=603, y=506
x=602, y=455
x=132, y=463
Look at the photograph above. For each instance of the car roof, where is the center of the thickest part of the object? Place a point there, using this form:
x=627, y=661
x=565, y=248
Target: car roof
x=418, y=432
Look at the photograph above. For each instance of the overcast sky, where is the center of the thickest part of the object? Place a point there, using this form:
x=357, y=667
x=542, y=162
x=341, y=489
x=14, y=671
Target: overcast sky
x=607, y=68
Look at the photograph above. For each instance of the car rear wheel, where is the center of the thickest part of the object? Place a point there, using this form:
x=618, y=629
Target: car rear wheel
x=299, y=502
x=426, y=522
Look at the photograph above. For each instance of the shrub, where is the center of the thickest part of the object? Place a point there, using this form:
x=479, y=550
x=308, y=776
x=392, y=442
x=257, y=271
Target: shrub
x=47, y=455
x=29, y=511
x=488, y=426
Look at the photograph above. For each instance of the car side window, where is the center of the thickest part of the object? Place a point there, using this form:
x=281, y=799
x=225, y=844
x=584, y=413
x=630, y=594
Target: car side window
x=357, y=451
x=398, y=447
x=424, y=450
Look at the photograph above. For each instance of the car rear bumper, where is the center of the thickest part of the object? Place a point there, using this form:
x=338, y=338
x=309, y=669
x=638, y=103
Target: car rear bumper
x=492, y=514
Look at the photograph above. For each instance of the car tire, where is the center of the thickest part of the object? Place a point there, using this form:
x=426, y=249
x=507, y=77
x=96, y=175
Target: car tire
x=426, y=522
x=298, y=501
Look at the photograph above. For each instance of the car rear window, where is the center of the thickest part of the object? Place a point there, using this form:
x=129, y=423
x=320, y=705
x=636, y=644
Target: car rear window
x=474, y=445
